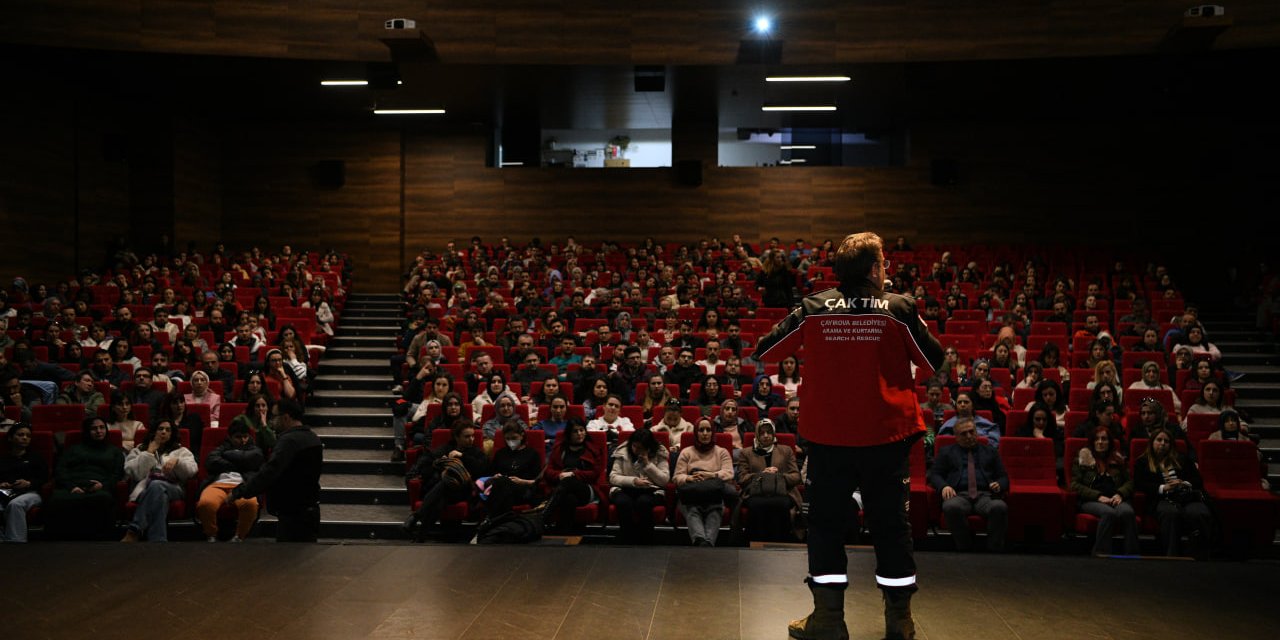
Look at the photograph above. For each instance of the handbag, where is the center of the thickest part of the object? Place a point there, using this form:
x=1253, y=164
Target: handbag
x=767, y=485
x=702, y=492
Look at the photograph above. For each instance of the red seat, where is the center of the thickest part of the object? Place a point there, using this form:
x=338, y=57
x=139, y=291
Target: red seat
x=453, y=513
x=57, y=417
x=1232, y=478
x=1200, y=426
x=918, y=508
x=1034, y=497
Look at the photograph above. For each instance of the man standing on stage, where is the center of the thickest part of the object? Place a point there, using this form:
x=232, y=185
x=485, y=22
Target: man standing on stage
x=861, y=418
x=290, y=478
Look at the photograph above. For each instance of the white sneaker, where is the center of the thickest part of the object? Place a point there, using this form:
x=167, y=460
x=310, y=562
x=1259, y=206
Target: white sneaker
x=397, y=389
x=212, y=539
x=237, y=539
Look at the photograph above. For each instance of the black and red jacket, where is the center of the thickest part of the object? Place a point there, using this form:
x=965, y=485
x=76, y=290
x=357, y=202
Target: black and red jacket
x=859, y=344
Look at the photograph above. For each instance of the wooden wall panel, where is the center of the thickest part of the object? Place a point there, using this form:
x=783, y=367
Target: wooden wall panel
x=37, y=190
x=602, y=32
x=270, y=197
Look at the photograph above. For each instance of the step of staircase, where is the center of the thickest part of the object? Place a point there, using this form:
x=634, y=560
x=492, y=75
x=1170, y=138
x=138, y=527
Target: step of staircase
x=362, y=493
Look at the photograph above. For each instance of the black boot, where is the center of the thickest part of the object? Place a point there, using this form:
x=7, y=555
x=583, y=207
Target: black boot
x=411, y=525
x=827, y=620
x=898, y=624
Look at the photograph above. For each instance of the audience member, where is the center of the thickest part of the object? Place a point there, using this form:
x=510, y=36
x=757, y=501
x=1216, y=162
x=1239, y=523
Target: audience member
x=979, y=473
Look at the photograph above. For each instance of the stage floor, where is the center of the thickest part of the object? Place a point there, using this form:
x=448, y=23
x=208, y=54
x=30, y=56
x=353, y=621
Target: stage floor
x=261, y=589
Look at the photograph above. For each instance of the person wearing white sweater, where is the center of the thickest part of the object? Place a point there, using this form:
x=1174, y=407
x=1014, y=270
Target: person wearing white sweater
x=159, y=467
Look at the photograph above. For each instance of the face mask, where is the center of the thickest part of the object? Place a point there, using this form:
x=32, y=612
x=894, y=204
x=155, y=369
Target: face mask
x=513, y=443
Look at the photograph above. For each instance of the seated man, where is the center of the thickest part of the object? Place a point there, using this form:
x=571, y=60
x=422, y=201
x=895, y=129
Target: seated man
x=979, y=474
x=964, y=409
x=210, y=363
x=104, y=369
x=529, y=370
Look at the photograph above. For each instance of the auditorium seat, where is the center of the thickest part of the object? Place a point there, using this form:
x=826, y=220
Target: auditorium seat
x=1232, y=478
x=1034, y=498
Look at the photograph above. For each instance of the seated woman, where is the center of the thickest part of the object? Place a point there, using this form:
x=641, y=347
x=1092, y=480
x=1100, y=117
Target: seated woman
x=174, y=409
x=550, y=390
x=83, y=392
x=22, y=474
x=122, y=352
x=255, y=384
x=1105, y=373
x=452, y=412
x=495, y=388
x=788, y=376
x=83, y=503
x=1152, y=416
x=443, y=478
x=985, y=398
x=516, y=468
x=159, y=468
x=611, y=421
x=295, y=360
x=656, y=395
x=1203, y=372
x=638, y=475
x=730, y=421
x=1172, y=485
x=763, y=397
x=201, y=393
x=1098, y=353
x=121, y=416
x=1032, y=374
x=707, y=463
x=573, y=472
x=1102, y=415
x=290, y=387
x=595, y=393
x=504, y=412
x=1004, y=358
x=235, y=461
x=257, y=418
x=1211, y=400
x=1049, y=393
x=711, y=395
x=1040, y=424
x=1196, y=341
x=1051, y=358
x=770, y=481
x=1151, y=380
x=1103, y=488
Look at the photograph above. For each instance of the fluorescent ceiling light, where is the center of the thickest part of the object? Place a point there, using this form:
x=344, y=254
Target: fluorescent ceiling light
x=807, y=79
x=795, y=160
x=407, y=112
x=344, y=83
x=798, y=108
x=787, y=147
x=513, y=164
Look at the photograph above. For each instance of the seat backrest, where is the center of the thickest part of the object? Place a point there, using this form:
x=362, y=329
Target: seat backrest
x=1229, y=464
x=1201, y=425
x=57, y=417
x=1029, y=461
x=1023, y=397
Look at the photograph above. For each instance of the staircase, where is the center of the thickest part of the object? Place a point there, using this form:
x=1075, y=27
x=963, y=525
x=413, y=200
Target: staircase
x=362, y=493
x=1253, y=353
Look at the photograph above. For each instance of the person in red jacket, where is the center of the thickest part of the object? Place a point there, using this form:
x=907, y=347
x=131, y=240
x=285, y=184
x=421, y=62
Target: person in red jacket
x=861, y=419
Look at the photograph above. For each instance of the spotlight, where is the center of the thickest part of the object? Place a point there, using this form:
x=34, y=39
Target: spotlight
x=763, y=24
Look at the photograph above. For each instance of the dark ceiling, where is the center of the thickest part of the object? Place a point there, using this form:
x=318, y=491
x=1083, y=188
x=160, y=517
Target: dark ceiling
x=1218, y=84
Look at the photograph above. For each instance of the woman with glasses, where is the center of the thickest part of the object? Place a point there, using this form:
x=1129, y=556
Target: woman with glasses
x=282, y=374
x=1104, y=489
x=704, y=462
x=159, y=468
x=772, y=507
x=711, y=394
x=1105, y=373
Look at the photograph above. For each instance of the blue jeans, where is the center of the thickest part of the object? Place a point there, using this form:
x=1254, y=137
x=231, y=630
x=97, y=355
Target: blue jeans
x=15, y=516
x=149, y=520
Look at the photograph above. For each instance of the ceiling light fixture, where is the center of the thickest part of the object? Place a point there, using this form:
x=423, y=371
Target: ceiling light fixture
x=789, y=147
x=512, y=164
x=807, y=79
x=798, y=108
x=344, y=83
x=407, y=112
x=763, y=24
x=795, y=160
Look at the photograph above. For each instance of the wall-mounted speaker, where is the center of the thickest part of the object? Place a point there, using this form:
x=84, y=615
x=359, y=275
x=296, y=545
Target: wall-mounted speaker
x=689, y=172
x=329, y=174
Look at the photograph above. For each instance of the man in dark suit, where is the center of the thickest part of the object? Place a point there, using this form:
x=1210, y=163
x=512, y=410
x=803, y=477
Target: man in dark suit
x=969, y=477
